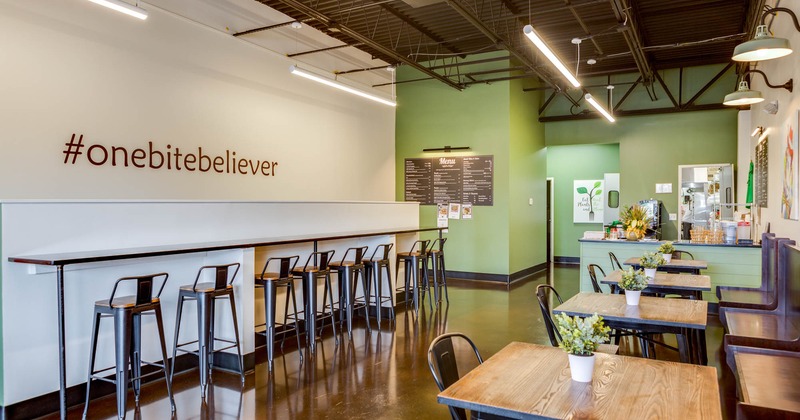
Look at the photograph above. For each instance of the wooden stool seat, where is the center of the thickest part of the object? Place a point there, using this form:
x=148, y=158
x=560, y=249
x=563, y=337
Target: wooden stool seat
x=122, y=302
x=344, y=264
x=309, y=269
x=263, y=278
x=202, y=287
x=408, y=254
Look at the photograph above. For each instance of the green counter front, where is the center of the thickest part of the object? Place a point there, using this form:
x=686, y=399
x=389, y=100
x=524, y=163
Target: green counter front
x=728, y=265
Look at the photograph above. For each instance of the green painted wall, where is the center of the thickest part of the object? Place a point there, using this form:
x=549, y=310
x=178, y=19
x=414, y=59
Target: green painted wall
x=565, y=164
x=495, y=119
x=651, y=148
x=528, y=163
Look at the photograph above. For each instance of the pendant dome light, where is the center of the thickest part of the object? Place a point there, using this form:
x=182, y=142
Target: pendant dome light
x=745, y=96
x=764, y=46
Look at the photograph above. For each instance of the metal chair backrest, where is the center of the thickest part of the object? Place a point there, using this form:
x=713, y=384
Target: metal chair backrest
x=444, y=367
x=222, y=275
x=359, y=254
x=382, y=251
x=437, y=244
x=615, y=265
x=286, y=265
x=320, y=258
x=423, y=246
x=541, y=295
x=593, y=277
x=679, y=255
x=144, y=287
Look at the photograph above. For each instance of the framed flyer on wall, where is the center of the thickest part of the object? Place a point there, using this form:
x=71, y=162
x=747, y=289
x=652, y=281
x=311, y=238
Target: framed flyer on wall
x=588, y=201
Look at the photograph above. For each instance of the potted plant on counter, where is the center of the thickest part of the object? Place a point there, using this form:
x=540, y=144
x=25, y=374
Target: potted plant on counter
x=633, y=282
x=651, y=261
x=635, y=220
x=666, y=249
x=580, y=337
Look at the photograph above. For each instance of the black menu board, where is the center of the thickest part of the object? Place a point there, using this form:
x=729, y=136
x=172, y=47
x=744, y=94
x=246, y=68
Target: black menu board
x=761, y=170
x=447, y=179
x=419, y=184
x=478, y=180
x=467, y=180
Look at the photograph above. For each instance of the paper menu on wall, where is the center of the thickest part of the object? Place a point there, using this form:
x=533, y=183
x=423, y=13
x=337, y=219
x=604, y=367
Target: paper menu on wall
x=441, y=215
x=455, y=211
x=466, y=211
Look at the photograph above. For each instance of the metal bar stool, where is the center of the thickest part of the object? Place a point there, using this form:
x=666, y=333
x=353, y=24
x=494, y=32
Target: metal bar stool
x=206, y=295
x=127, y=312
x=436, y=254
x=414, y=262
x=349, y=272
x=374, y=268
x=310, y=273
x=270, y=281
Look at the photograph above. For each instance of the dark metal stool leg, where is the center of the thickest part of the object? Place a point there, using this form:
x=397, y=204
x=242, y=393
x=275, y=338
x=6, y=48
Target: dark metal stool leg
x=177, y=333
x=122, y=345
x=204, y=303
x=330, y=293
x=415, y=281
x=211, y=322
x=136, y=355
x=365, y=281
x=296, y=322
x=270, y=292
x=160, y=324
x=346, y=277
x=92, y=356
x=388, y=283
x=310, y=304
x=444, y=276
x=236, y=335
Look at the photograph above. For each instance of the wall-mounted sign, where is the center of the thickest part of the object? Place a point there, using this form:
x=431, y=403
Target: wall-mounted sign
x=761, y=171
x=468, y=180
x=588, y=207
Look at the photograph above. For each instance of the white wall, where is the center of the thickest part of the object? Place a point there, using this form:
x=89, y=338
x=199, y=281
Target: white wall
x=778, y=71
x=73, y=67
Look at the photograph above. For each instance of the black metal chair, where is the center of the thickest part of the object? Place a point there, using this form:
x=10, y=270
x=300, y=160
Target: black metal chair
x=206, y=295
x=349, y=273
x=615, y=265
x=270, y=282
x=375, y=267
x=681, y=255
x=436, y=254
x=415, y=261
x=542, y=291
x=127, y=312
x=444, y=367
x=593, y=276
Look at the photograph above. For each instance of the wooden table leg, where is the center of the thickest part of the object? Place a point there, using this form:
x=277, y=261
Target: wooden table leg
x=684, y=346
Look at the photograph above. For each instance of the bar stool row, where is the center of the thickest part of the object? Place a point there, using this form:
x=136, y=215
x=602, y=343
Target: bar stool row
x=127, y=311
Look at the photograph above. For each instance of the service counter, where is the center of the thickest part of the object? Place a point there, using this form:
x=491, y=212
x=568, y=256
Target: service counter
x=729, y=265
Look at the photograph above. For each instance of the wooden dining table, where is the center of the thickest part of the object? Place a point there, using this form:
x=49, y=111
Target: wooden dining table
x=689, y=285
x=531, y=381
x=683, y=317
x=678, y=266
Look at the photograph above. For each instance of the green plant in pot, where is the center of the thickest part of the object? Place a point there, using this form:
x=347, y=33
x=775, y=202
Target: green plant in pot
x=651, y=261
x=580, y=337
x=666, y=249
x=633, y=282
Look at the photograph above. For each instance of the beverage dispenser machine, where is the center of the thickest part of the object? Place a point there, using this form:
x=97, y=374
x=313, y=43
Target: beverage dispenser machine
x=653, y=208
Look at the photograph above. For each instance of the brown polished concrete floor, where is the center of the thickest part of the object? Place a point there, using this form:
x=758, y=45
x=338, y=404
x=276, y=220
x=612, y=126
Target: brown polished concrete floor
x=379, y=375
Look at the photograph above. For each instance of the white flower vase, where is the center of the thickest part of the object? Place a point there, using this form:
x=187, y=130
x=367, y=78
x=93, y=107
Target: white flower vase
x=650, y=273
x=632, y=297
x=581, y=367
x=667, y=257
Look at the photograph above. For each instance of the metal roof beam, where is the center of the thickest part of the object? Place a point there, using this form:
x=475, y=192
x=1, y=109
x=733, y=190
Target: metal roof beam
x=367, y=41
x=622, y=11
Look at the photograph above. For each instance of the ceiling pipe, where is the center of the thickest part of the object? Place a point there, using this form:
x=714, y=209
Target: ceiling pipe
x=622, y=11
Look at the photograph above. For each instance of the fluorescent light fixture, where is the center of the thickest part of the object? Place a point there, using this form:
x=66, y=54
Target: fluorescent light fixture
x=743, y=96
x=123, y=7
x=338, y=85
x=598, y=107
x=762, y=47
x=531, y=34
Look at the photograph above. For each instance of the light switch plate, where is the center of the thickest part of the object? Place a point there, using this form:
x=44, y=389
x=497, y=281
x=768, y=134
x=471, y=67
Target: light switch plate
x=667, y=188
x=659, y=188
x=530, y=201
x=673, y=216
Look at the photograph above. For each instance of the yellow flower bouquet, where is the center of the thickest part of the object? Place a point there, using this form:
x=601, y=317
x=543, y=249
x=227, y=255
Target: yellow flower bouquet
x=635, y=220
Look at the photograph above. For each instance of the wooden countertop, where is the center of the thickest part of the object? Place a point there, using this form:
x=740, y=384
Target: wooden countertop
x=526, y=381
x=682, y=313
x=155, y=251
x=681, y=264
